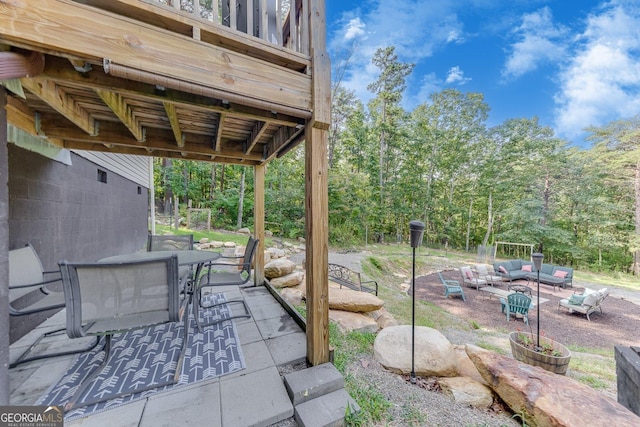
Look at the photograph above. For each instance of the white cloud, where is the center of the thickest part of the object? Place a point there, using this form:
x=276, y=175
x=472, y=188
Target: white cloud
x=454, y=37
x=415, y=30
x=602, y=81
x=456, y=75
x=539, y=40
x=355, y=28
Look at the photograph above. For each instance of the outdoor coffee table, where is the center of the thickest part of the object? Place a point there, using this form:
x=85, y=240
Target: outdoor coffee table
x=523, y=289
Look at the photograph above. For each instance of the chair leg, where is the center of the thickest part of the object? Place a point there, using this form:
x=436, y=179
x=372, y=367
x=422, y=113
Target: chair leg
x=83, y=386
x=198, y=306
x=23, y=359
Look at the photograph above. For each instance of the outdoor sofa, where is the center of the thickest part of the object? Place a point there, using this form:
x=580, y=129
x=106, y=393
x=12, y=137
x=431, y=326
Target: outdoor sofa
x=586, y=303
x=516, y=269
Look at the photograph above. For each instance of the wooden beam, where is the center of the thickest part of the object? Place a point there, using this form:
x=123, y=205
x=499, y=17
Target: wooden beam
x=170, y=109
x=119, y=106
x=59, y=70
x=131, y=43
x=281, y=138
x=214, y=32
x=143, y=151
x=48, y=92
x=157, y=139
x=256, y=134
x=218, y=141
x=21, y=116
x=258, y=222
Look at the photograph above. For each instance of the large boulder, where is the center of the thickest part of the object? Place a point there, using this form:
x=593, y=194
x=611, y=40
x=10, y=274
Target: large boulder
x=356, y=301
x=434, y=355
x=278, y=268
x=276, y=253
x=294, y=295
x=545, y=398
x=348, y=321
x=291, y=279
x=467, y=391
x=465, y=366
x=383, y=318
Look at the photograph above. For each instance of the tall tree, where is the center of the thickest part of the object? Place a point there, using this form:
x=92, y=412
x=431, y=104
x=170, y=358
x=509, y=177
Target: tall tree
x=619, y=142
x=385, y=108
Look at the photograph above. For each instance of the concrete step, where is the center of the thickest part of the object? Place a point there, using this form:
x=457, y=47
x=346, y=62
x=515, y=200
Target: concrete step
x=313, y=382
x=328, y=410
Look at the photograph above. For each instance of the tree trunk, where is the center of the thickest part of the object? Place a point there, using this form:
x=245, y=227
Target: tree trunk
x=168, y=193
x=545, y=208
x=214, y=168
x=240, y=200
x=222, y=178
x=489, y=221
x=469, y=223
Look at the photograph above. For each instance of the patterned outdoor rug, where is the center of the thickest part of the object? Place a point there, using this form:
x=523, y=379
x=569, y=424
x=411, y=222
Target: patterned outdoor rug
x=146, y=357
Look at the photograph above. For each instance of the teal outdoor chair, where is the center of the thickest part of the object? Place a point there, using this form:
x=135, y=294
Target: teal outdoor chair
x=451, y=287
x=516, y=303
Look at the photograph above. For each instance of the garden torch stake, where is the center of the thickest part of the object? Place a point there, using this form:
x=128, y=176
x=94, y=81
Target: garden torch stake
x=537, y=260
x=417, y=229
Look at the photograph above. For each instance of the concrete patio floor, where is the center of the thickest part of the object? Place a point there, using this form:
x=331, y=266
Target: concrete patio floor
x=255, y=396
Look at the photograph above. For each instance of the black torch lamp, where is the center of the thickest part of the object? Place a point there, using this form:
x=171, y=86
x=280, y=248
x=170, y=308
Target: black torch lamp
x=537, y=262
x=417, y=231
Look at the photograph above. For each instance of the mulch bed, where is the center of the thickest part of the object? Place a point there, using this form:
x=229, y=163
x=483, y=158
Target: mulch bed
x=618, y=324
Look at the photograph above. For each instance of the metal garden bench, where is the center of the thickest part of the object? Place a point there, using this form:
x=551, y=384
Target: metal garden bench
x=344, y=276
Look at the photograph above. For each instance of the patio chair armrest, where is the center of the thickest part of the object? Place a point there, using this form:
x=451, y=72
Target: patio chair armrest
x=32, y=285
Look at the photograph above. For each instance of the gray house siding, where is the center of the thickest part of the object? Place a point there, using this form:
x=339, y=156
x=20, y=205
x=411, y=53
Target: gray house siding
x=66, y=213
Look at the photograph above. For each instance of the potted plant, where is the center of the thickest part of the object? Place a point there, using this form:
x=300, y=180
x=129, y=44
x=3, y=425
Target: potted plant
x=548, y=354
x=539, y=350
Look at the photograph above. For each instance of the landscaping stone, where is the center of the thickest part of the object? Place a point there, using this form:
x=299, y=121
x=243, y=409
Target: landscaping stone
x=293, y=296
x=467, y=391
x=245, y=231
x=278, y=268
x=383, y=318
x=545, y=398
x=349, y=321
x=291, y=279
x=465, y=366
x=276, y=253
x=434, y=354
x=356, y=301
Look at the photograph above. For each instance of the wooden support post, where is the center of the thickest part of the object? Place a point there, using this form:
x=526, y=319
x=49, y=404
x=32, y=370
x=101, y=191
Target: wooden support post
x=317, y=218
x=258, y=221
x=316, y=191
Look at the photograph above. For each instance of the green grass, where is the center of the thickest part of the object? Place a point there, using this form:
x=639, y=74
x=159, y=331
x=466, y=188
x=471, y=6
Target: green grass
x=492, y=347
x=348, y=348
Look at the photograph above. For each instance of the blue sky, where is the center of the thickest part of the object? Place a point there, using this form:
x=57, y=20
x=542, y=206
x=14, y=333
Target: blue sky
x=572, y=63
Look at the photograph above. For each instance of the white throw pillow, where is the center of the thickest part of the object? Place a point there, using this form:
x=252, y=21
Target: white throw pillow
x=591, y=299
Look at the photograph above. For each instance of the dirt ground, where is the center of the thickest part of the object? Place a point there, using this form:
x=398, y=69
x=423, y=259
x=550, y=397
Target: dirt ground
x=618, y=324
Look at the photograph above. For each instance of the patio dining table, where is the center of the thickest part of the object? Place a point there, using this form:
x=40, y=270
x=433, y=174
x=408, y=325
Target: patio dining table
x=185, y=258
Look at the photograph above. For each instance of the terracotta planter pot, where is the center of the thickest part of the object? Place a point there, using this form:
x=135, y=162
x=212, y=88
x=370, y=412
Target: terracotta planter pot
x=555, y=364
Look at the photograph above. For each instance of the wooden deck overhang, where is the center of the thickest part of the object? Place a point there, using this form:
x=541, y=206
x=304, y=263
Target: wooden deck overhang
x=155, y=78
x=140, y=77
